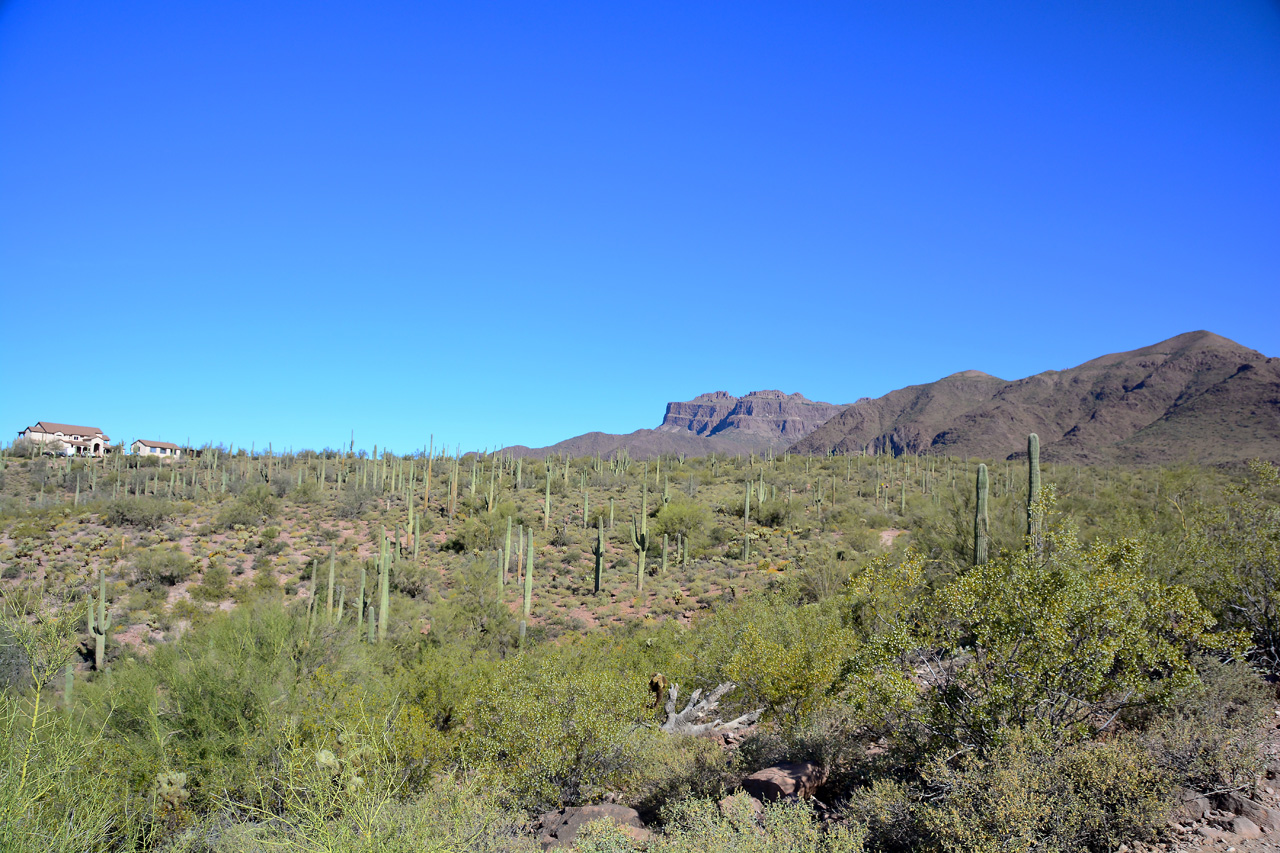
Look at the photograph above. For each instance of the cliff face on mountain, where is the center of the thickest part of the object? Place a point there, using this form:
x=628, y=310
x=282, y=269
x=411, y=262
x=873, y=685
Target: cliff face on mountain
x=771, y=414
x=1196, y=397
x=716, y=422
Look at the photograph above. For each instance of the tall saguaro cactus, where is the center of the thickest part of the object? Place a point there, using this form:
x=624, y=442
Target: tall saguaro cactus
x=981, y=521
x=640, y=537
x=598, y=551
x=384, y=597
x=546, y=506
x=506, y=560
x=100, y=626
x=1034, y=533
x=746, y=525
x=528, y=592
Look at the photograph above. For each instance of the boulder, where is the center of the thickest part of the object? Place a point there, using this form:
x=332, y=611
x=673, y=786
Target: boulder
x=1211, y=833
x=1192, y=806
x=1245, y=828
x=1262, y=816
x=797, y=779
x=560, y=828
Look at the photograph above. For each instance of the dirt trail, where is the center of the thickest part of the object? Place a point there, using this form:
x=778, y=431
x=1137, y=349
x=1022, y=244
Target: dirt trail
x=887, y=537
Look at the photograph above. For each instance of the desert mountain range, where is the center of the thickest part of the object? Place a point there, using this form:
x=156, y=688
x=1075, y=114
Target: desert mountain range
x=1197, y=397
x=717, y=422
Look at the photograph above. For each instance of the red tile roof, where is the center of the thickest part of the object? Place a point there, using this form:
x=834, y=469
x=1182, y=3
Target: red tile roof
x=66, y=429
x=144, y=442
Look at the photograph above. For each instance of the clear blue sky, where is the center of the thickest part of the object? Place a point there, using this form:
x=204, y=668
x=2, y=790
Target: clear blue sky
x=516, y=222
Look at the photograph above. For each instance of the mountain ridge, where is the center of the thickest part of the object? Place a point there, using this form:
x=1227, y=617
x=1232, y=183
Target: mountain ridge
x=714, y=422
x=1197, y=396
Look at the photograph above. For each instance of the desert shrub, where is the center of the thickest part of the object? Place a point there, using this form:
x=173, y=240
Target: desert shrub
x=166, y=565
x=1069, y=636
x=221, y=683
x=1232, y=558
x=474, y=614
x=681, y=516
x=677, y=767
x=1209, y=738
x=555, y=737
x=39, y=811
x=822, y=575
x=215, y=584
x=354, y=501
x=453, y=814
x=782, y=827
x=783, y=657
x=307, y=492
x=254, y=505
x=777, y=512
x=482, y=532
x=561, y=537
x=1029, y=792
x=143, y=512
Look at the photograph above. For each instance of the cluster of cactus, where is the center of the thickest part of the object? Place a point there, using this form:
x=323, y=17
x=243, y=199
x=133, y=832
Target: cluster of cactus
x=981, y=520
x=345, y=769
x=171, y=789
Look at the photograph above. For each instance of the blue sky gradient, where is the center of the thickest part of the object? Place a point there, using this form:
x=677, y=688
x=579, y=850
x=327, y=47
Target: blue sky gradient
x=510, y=223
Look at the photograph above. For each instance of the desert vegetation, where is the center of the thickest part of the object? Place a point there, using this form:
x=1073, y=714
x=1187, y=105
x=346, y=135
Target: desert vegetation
x=346, y=651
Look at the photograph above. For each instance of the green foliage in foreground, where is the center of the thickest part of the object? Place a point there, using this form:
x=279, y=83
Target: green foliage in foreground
x=1051, y=697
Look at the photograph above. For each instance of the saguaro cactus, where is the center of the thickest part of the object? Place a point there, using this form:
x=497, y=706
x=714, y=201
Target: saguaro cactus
x=384, y=596
x=598, y=551
x=100, y=626
x=1033, y=490
x=528, y=592
x=746, y=525
x=506, y=560
x=640, y=537
x=328, y=607
x=528, y=581
x=981, y=522
x=546, y=506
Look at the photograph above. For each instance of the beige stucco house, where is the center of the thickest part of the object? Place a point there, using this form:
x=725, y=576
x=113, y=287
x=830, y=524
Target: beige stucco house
x=68, y=439
x=143, y=447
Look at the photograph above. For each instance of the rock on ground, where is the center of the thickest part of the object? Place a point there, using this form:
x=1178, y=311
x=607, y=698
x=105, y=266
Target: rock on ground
x=560, y=828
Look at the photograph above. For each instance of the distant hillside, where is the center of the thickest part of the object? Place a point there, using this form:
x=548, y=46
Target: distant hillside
x=1196, y=397
x=716, y=422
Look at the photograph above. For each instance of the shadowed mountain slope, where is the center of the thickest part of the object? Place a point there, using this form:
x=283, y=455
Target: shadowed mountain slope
x=1197, y=397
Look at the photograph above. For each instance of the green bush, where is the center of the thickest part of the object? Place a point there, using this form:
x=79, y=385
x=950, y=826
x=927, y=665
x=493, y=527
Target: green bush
x=554, y=735
x=215, y=585
x=254, y=506
x=146, y=513
x=702, y=826
x=1210, y=738
x=1231, y=556
x=1029, y=792
x=166, y=565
